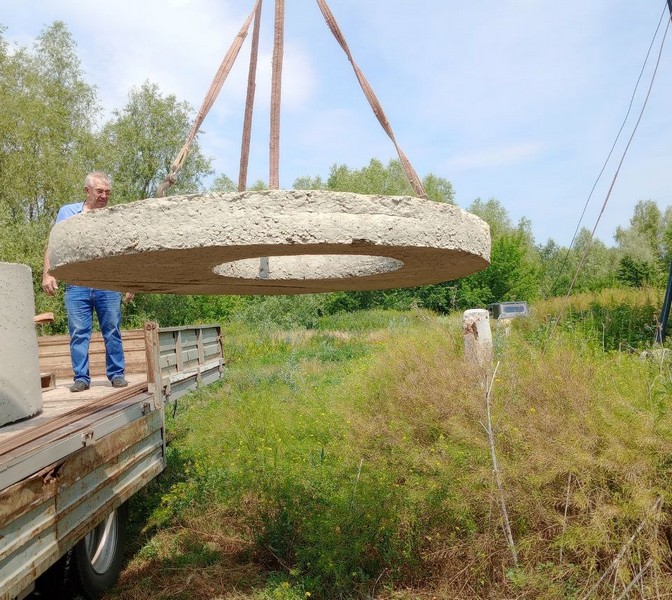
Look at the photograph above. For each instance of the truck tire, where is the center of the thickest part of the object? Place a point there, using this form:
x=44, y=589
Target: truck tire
x=96, y=560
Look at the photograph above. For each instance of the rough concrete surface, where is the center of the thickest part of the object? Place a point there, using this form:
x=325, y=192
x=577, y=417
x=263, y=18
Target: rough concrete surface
x=316, y=241
x=20, y=387
x=477, y=336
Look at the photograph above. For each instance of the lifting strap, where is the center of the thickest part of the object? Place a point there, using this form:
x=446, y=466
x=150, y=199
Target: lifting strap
x=276, y=88
x=249, y=103
x=208, y=101
x=373, y=100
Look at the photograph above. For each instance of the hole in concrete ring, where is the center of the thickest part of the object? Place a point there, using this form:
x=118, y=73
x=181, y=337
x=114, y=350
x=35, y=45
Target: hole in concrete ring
x=323, y=266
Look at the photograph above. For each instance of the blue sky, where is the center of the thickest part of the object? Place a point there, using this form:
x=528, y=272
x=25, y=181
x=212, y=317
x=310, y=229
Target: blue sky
x=519, y=101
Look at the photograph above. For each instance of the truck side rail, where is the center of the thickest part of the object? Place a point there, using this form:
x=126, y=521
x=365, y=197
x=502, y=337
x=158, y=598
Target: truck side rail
x=189, y=356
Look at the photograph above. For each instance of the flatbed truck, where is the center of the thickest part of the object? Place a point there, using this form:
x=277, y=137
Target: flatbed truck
x=67, y=473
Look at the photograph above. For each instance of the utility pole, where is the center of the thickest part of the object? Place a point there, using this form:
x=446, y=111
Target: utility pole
x=661, y=326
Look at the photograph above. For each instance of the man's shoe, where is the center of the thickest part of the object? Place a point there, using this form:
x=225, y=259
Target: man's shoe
x=119, y=381
x=79, y=386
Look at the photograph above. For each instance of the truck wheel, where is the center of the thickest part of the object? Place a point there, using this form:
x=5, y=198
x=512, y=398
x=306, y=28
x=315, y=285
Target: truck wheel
x=96, y=560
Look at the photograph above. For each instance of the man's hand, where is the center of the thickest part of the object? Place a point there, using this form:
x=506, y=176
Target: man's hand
x=49, y=284
x=129, y=297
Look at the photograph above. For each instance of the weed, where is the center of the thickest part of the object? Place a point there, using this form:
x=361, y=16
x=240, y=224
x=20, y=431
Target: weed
x=354, y=463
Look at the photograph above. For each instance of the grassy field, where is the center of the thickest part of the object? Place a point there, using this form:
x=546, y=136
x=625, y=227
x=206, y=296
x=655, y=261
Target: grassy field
x=352, y=460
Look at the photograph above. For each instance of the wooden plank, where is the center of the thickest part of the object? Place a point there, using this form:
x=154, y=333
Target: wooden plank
x=54, y=353
x=189, y=338
x=40, y=429
x=201, y=352
x=60, y=400
x=211, y=349
x=189, y=357
x=190, y=327
x=190, y=381
x=168, y=363
x=18, y=499
x=211, y=334
x=168, y=340
x=15, y=499
x=153, y=341
x=179, y=346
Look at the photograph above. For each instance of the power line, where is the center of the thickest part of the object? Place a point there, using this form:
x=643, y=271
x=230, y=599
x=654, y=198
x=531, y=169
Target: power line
x=613, y=147
x=618, y=168
x=625, y=151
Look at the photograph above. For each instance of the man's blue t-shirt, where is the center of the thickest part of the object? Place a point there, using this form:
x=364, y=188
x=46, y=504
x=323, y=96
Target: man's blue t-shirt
x=69, y=210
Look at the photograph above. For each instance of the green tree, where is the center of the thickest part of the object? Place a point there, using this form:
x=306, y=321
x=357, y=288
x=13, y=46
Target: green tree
x=223, y=183
x=48, y=142
x=47, y=113
x=309, y=183
x=555, y=276
x=590, y=265
x=635, y=273
x=386, y=181
x=258, y=185
x=647, y=220
x=439, y=189
x=512, y=274
x=667, y=235
x=514, y=271
x=46, y=118
x=644, y=246
x=141, y=142
x=494, y=214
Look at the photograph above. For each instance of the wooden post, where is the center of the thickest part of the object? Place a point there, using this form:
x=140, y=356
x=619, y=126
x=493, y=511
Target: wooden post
x=477, y=336
x=220, y=341
x=177, y=339
x=153, y=353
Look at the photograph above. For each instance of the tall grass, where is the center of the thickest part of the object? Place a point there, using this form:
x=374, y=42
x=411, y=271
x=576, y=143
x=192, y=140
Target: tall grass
x=614, y=319
x=351, y=461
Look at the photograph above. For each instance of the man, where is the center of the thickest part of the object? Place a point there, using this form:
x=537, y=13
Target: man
x=80, y=302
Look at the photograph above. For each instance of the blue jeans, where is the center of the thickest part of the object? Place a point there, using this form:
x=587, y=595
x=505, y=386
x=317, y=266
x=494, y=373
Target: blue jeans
x=80, y=302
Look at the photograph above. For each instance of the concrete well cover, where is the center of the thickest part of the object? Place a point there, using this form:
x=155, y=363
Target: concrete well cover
x=316, y=241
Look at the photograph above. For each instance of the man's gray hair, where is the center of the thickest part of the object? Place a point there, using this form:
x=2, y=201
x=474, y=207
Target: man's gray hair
x=96, y=175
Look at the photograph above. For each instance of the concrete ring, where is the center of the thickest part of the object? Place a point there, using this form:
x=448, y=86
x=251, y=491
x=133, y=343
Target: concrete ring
x=269, y=242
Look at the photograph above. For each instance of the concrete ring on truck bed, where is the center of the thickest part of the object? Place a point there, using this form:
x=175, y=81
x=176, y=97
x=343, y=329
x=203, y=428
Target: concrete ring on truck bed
x=315, y=241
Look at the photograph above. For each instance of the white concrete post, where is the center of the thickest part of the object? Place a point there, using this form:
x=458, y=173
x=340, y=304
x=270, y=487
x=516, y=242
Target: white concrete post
x=477, y=336
x=20, y=387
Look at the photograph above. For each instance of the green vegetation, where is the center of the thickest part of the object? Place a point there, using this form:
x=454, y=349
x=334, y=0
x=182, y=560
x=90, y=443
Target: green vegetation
x=350, y=460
